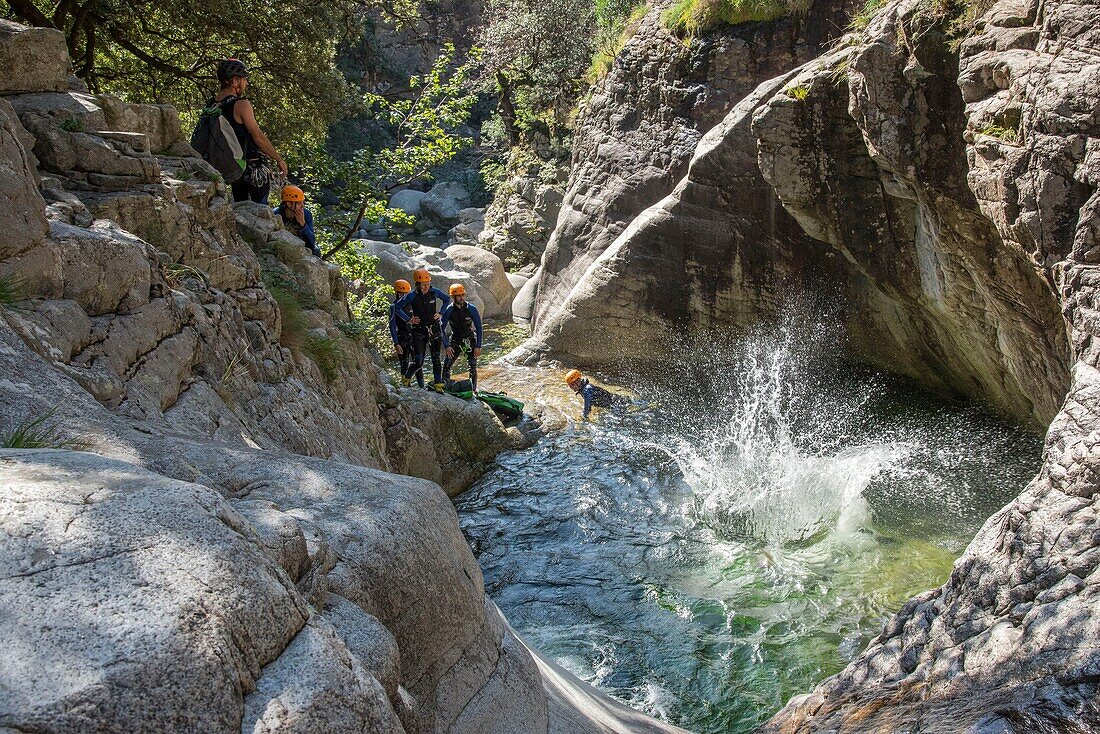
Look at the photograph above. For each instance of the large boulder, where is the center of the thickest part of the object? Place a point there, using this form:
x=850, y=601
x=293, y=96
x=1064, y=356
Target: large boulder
x=441, y=206
x=523, y=305
x=467, y=436
x=471, y=223
x=130, y=601
x=408, y=201
x=33, y=59
x=487, y=271
x=482, y=282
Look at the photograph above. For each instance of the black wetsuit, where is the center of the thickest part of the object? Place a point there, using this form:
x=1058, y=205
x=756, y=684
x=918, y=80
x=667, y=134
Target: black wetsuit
x=426, y=335
x=462, y=332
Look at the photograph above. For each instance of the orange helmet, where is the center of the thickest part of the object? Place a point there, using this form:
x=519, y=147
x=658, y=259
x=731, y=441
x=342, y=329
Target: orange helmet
x=401, y=286
x=572, y=376
x=457, y=289
x=293, y=193
x=420, y=275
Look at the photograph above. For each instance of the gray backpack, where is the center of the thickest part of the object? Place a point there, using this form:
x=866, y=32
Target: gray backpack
x=216, y=140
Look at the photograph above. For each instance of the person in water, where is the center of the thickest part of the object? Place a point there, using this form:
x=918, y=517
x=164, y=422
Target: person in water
x=463, y=322
x=593, y=395
x=423, y=311
x=400, y=331
x=297, y=219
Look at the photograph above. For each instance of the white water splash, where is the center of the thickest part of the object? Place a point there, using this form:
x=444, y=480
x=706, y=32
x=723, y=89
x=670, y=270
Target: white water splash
x=783, y=467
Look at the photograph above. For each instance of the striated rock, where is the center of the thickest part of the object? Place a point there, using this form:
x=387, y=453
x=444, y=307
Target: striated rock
x=871, y=161
x=1009, y=643
x=35, y=59
x=23, y=219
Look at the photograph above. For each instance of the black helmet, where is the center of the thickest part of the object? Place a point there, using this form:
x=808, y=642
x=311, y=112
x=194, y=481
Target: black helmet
x=231, y=69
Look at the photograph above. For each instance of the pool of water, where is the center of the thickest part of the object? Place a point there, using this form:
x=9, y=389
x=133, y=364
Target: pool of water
x=742, y=530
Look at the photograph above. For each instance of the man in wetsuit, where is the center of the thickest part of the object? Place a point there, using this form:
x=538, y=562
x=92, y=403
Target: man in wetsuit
x=463, y=323
x=423, y=310
x=400, y=331
x=593, y=396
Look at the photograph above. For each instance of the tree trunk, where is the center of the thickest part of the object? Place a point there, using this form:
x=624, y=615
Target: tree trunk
x=507, y=109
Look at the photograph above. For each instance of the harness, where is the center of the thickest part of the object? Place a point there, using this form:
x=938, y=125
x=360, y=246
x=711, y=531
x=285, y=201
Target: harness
x=462, y=322
x=425, y=306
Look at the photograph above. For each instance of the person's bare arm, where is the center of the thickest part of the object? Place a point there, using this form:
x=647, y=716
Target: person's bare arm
x=246, y=115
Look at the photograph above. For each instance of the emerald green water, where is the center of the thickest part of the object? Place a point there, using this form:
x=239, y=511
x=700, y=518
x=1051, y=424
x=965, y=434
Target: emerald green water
x=741, y=533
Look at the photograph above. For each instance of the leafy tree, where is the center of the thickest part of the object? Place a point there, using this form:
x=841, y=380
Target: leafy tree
x=425, y=129
x=166, y=52
x=535, y=53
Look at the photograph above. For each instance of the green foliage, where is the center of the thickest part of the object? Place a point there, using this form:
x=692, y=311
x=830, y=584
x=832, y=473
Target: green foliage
x=1004, y=134
x=616, y=23
x=535, y=56
x=369, y=296
x=862, y=19
x=166, y=52
x=294, y=331
x=424, y=134
x=798, y=92
x=41, y=432
x=72, y=125
x=13, y=290
x=692, y=17
x=327, y=352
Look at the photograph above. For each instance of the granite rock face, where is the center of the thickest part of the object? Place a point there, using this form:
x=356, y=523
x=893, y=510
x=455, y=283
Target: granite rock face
x=522, y=216
x=872, y=161
x=637, y=133
x=1010, y=643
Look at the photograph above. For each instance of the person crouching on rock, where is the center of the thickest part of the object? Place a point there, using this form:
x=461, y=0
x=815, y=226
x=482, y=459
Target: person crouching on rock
x=400, y=331
x=463, y=322
x=593, y=396
x=297, y=219
x=423, y=310
x=255, y=184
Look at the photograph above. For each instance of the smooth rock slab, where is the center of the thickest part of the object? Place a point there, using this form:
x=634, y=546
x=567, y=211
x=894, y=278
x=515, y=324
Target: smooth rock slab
x=129, y=601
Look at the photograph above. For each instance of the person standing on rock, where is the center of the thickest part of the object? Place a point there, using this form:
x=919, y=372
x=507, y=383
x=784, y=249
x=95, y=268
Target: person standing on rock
x=400, y=331
x=463, y=322
x=255, y=184
x=424, y=308
x=297, y=219
x=593, y=396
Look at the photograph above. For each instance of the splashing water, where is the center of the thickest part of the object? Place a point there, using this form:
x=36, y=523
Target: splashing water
x=707, y=558
x=778, y=470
